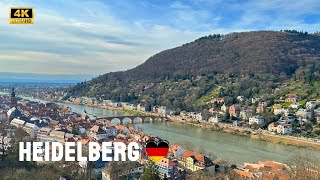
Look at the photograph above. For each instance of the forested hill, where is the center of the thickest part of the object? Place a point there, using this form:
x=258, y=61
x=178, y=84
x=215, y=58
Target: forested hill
x=179, y=77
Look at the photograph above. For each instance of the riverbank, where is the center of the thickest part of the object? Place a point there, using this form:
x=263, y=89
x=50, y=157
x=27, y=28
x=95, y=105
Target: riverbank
x=121, y=109
x=236, y=149
x=221, y=127
x=285, y=140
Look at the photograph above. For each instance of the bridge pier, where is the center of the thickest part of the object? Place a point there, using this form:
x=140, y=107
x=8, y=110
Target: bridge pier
x=142, y=119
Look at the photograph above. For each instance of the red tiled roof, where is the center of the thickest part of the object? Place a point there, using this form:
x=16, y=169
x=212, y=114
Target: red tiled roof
x=175, y=148
x=166, y=162
x=95, y=128
x=121, y=127
x=199, y=157
x=274, y=124
x=273, y=164
x=277, y=106
x=83, y=141
x=118, y=140
x=91, y=139
x=291, y=95
x=244, y=173
x=269, y=169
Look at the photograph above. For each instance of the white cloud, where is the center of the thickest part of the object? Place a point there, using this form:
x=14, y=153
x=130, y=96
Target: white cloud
x=61, y=41
x=89, y=47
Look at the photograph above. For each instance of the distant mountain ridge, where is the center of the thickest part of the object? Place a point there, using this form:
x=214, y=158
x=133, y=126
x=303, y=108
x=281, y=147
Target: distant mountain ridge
x=31, y=77
x=199, y=66
x=238, y=53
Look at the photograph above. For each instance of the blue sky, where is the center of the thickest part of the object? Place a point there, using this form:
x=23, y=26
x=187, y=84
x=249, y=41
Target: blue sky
x=95, y=37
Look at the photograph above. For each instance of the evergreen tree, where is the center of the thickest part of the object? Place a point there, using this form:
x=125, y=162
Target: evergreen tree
x=227, y=115
x=148, y=107
x=74, y=131
x=313, y=117
x=165, y=177
x=150, y=173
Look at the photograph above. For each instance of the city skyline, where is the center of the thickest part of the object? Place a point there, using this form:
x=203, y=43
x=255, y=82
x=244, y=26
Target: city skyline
x=96, y=37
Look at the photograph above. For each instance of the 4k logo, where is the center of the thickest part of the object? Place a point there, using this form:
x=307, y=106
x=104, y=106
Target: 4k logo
x=21, y=15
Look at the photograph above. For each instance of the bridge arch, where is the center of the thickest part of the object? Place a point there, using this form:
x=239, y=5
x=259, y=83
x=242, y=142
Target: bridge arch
x=135, y=119
x=148, y=119
x=158, y=119
x=116, y=121
x=127, y=120
x=138, y=120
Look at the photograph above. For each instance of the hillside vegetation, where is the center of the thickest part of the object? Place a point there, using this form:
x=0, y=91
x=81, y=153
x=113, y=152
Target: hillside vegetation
x=186, y=77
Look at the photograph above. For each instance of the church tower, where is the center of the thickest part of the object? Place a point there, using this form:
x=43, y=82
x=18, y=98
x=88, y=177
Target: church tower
x=13, y=99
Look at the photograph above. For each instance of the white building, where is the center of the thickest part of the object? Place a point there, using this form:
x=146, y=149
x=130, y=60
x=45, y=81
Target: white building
x=256, y=119
x=140, y=107
x=302, y=121
x=286, y=119
x=255, y=100
x=273, y=127
x=199, y=117
x=43, y=134
x=277, y=109
x=311, y=105
x=284, y=129
x=57, y=136
x=224, y=108
x=30, y=129
x=13, y=113
x=241, y=98
x=215, y=119
x=97, y=133
x=303, y=113
x=244, y=115
x=143, y=109
x=295, y=105
x=133, y=107
x=166, y=167
x=162, y=110
x=17, y=122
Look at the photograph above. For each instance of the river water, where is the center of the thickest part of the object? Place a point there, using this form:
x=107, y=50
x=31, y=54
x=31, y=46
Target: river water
x=235, y=149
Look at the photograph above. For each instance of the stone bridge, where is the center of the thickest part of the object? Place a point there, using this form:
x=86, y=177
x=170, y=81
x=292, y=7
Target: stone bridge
x=135, y=119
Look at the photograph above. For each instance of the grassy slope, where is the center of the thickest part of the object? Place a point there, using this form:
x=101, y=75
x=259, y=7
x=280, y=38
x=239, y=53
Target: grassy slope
x=304, y=90
x=207, y=97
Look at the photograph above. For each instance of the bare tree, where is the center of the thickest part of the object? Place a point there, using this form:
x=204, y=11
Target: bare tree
x=3, y=143
x=120, y=169
x=187, y=145
x=211, y=156
x=303, y=166
x=200, y=175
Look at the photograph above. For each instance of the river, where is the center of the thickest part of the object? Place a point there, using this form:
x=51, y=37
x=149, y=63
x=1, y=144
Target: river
x=235, y=149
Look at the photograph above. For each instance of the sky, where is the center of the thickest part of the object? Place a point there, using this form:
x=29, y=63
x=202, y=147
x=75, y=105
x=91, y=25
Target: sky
x=100, y=36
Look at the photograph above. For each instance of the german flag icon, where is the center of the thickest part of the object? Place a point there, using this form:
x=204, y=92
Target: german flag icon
x=157, y=150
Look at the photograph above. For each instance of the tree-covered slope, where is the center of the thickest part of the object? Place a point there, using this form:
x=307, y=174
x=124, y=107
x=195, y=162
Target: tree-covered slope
x=247, y=63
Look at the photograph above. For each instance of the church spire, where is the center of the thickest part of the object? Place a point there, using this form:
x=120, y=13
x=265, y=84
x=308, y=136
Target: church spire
x=13, y=94
x=13, y=99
